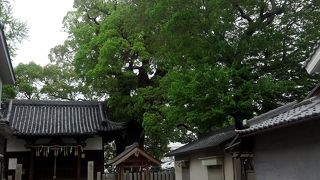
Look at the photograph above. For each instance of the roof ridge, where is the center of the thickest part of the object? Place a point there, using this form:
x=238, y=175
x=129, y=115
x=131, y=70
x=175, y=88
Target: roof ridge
x=272, y=113
x=54, y=102
x=215, y=134
x=317, y=101
x=57, y=118
x=217, y=131
x=315, y=48
x=289, y=113
x=279, y=110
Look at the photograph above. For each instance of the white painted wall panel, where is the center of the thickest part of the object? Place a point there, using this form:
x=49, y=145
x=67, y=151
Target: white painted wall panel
x=289, y=153
x=197, y=170
x=178, y=171
x=16, y=145
x=228, y=167
x=94, y=143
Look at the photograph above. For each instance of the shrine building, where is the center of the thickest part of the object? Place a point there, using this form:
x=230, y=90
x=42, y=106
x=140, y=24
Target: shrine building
x=57, y=139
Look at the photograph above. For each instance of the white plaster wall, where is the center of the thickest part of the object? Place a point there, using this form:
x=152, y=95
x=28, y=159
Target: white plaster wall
x=16, y=145
x=94, y=143
x=178, y=171
x=200, y=172
x=197, y=170
x=228, y=167
x=289, y=153
x=69, y=140
x=47, y=140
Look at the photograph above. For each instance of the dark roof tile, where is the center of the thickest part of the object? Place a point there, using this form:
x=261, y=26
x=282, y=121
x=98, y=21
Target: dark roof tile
x=130, y=150
x=214, y=139
x=284, y=115
x=55, y=118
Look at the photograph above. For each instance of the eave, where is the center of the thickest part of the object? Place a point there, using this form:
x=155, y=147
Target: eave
x=313, y=63
x=6, y=69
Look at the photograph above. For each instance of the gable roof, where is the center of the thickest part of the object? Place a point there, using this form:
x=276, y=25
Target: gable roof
x=131, y=150
x=312, y=64
x=213, y=139
x=58, y=118
x=285, y=115
x=6, y=70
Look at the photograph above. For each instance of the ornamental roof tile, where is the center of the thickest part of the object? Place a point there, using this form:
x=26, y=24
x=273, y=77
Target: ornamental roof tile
x=285, y=115
x=57, y=118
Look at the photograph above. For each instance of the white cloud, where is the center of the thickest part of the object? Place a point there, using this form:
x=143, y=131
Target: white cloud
x=44, y=18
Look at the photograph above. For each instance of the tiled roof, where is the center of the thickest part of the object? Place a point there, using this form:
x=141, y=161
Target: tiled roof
x=284, y=115
x=214, y=139
x=314, y=50
x=56, y=118
x=129, y=151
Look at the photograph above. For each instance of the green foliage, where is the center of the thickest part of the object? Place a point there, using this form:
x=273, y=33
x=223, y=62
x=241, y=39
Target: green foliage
x=15, y=30
x=53, y=81
x=179, y=68
x=8, y=92
x=28, y=78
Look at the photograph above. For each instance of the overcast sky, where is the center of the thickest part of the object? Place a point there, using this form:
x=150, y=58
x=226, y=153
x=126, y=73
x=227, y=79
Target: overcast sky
x=44, y=19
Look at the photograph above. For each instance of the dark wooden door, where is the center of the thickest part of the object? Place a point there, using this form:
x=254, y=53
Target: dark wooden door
x=43, y=168
x=66, y=167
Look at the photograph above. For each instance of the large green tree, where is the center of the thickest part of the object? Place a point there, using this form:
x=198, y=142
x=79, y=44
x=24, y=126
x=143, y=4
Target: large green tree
x=179, y=68
x=112, y=59
x=229, y=60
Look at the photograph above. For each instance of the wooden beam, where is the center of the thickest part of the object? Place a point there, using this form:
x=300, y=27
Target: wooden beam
x=79, y=165
x=5, y=173
x=31, y=166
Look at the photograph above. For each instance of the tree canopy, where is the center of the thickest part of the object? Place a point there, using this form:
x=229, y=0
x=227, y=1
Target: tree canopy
x=177, y=69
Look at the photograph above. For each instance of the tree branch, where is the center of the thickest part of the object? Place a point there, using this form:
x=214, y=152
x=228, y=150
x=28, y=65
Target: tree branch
x=185, y=126
x=243, y=14
x=94, y=19
x=271, y=14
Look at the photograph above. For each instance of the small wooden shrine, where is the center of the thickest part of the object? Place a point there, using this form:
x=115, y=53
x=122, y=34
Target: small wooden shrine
x=57, y=139
x=134, y=160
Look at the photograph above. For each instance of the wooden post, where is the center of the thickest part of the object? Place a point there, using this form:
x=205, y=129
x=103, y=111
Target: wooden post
x=90, y=170
x=98, y=175
x=31, y=170
x=121, y=176
x=135, y=176
x=148, y=174
x=55, y=168
x=10, y=177
x=143, y=175
x=79, y=165
x=18, y=174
